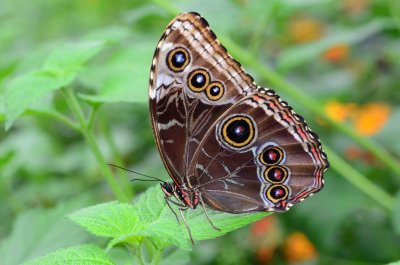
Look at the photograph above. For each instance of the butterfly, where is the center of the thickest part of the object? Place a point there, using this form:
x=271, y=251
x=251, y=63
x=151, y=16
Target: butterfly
x=227, y=143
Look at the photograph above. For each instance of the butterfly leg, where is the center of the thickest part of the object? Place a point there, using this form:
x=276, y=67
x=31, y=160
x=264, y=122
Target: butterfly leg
x=168, y=200
x=208, y=217
x=181, y=209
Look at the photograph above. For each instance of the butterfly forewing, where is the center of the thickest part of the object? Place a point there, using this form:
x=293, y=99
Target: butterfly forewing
x=193, y=81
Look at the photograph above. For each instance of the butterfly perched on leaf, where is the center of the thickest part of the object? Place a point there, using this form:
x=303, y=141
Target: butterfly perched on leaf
x=227, y=143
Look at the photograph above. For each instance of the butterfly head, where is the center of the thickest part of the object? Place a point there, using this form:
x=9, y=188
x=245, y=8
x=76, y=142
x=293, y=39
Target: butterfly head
x=168, y=188
x=185, y=196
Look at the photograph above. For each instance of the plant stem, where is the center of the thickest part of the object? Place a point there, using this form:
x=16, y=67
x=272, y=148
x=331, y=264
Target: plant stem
x=139, y=256
x=92, y=116
x=89, y=137
x=58, y=116
x=156, y=256
x=359, y=181
x=116, y=155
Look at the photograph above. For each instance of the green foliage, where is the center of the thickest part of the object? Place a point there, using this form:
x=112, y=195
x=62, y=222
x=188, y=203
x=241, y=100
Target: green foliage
x=59, y=70
x=112, y=219
x=151, y=218
x=396, y=214
x=39, y=231
x=60, y=80
x=84, y=254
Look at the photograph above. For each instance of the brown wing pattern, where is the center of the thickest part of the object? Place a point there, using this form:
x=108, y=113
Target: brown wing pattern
x=193, y=80
x=281, y=162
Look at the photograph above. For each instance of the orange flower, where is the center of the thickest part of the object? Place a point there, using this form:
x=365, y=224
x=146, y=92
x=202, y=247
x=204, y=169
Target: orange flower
x=263, y=226
x=266, y=237
x=353, y=152
x=355, y=6
x=367, y=120
x=336, y=53
x=298, y=248
x=339, y=111
x=265, y=254
x=305, y=30
x=371, y=118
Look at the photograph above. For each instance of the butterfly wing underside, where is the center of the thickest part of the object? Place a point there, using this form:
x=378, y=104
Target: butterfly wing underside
x=236, y=145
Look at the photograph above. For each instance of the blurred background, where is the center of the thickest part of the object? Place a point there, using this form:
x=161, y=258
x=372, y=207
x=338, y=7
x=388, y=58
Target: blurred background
x=337, y=62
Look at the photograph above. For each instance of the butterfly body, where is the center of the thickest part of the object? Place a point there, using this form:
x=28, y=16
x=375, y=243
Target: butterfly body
x=187, y=197
x=227, y=143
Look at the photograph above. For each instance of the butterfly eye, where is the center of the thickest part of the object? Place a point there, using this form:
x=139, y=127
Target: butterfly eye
x=238, y=131
x=178, y=59
x=276, y=174
x=215, y=91
x=198, y=80
x=272, y=155
x=167, y=188
x=277, y=193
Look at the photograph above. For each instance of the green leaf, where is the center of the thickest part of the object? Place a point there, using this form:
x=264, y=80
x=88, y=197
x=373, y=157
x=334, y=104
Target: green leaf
x=152, y=218
x=25, y=91
x=59, y=70
x=124, y=78
x=300, y=54
x=84, y=254
x=396, y=214
x=40, y=231
x=66, y=60
x=112, y=219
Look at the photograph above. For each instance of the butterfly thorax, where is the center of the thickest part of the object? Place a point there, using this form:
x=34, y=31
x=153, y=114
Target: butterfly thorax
x=187, y=197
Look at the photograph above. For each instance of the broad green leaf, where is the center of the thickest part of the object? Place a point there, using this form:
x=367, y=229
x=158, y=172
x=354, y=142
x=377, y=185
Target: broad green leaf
x=150, y=217
x=396, y=214
x=26, y=91
x=84, y=254
x=67, y=60
x=40, y=231
x=300, y=54
x=124, y=78
x=59, y=70
x=112, y=219
x=394, y=263
x=152, y=209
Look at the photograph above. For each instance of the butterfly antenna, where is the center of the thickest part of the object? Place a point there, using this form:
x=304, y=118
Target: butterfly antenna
x=140, y=174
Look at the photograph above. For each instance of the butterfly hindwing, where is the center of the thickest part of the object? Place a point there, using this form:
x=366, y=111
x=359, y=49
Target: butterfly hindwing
x=258, y=156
